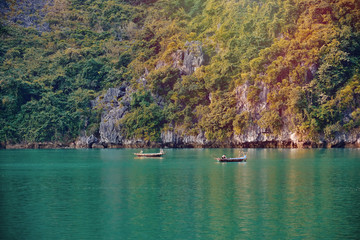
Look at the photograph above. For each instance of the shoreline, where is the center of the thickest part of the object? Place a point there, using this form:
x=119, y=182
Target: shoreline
x=266, y=144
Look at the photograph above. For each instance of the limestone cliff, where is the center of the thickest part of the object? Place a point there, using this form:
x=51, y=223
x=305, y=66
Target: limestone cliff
x=27, y=13
x=115, y=103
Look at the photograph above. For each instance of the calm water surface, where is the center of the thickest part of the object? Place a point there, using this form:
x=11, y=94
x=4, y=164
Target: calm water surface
x=109, y=194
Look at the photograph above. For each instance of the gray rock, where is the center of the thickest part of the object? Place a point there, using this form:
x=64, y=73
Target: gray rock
x=193, y=56
x=187, y=61
x=177, y=138
x=91, y=140
x=110, y=131
x=30, y=13
x=114, y=104
x=110, y=99
x=85, y=141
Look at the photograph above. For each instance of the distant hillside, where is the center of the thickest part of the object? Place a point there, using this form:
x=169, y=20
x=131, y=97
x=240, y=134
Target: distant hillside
x=180, y=73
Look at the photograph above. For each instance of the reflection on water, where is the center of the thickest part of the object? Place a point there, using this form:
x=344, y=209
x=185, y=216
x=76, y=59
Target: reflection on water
x=109, y=194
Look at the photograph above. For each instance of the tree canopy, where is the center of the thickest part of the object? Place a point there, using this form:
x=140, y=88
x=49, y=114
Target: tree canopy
x=305, y=52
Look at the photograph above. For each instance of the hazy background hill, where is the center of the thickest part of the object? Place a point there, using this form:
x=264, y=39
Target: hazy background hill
x=180, y=72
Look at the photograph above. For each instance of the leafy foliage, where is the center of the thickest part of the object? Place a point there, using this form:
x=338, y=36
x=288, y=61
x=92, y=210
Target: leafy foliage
x=306, y=53
x=145, y=118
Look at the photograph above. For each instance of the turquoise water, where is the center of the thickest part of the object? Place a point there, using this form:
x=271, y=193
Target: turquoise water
x=109, y=194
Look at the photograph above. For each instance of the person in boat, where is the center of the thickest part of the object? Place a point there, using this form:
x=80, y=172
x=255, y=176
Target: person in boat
x=242, y=153
x=223, y=156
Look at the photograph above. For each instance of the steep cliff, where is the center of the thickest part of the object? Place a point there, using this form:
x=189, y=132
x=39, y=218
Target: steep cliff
x=115, y=104
x=174, y=73
x=27, y=13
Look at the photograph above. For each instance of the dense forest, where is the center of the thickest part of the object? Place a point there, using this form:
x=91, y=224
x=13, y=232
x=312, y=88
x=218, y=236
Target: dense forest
x=56, y=56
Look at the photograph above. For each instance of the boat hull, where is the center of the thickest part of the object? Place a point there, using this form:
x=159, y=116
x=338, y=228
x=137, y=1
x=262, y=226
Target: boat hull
x=243, y=159
x=149, y=154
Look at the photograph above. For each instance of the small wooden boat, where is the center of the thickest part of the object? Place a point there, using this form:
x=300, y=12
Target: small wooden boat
x=241, y=158
x=238, y=159
x=141, y=154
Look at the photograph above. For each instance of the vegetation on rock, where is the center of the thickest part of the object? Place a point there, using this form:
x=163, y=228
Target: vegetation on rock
x=305, y=52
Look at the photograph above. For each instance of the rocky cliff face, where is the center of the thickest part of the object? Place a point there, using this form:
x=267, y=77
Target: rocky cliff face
x=28, y=13
x=189, y=59
x=113, y=104
x=254, y=134
x=116, y=101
